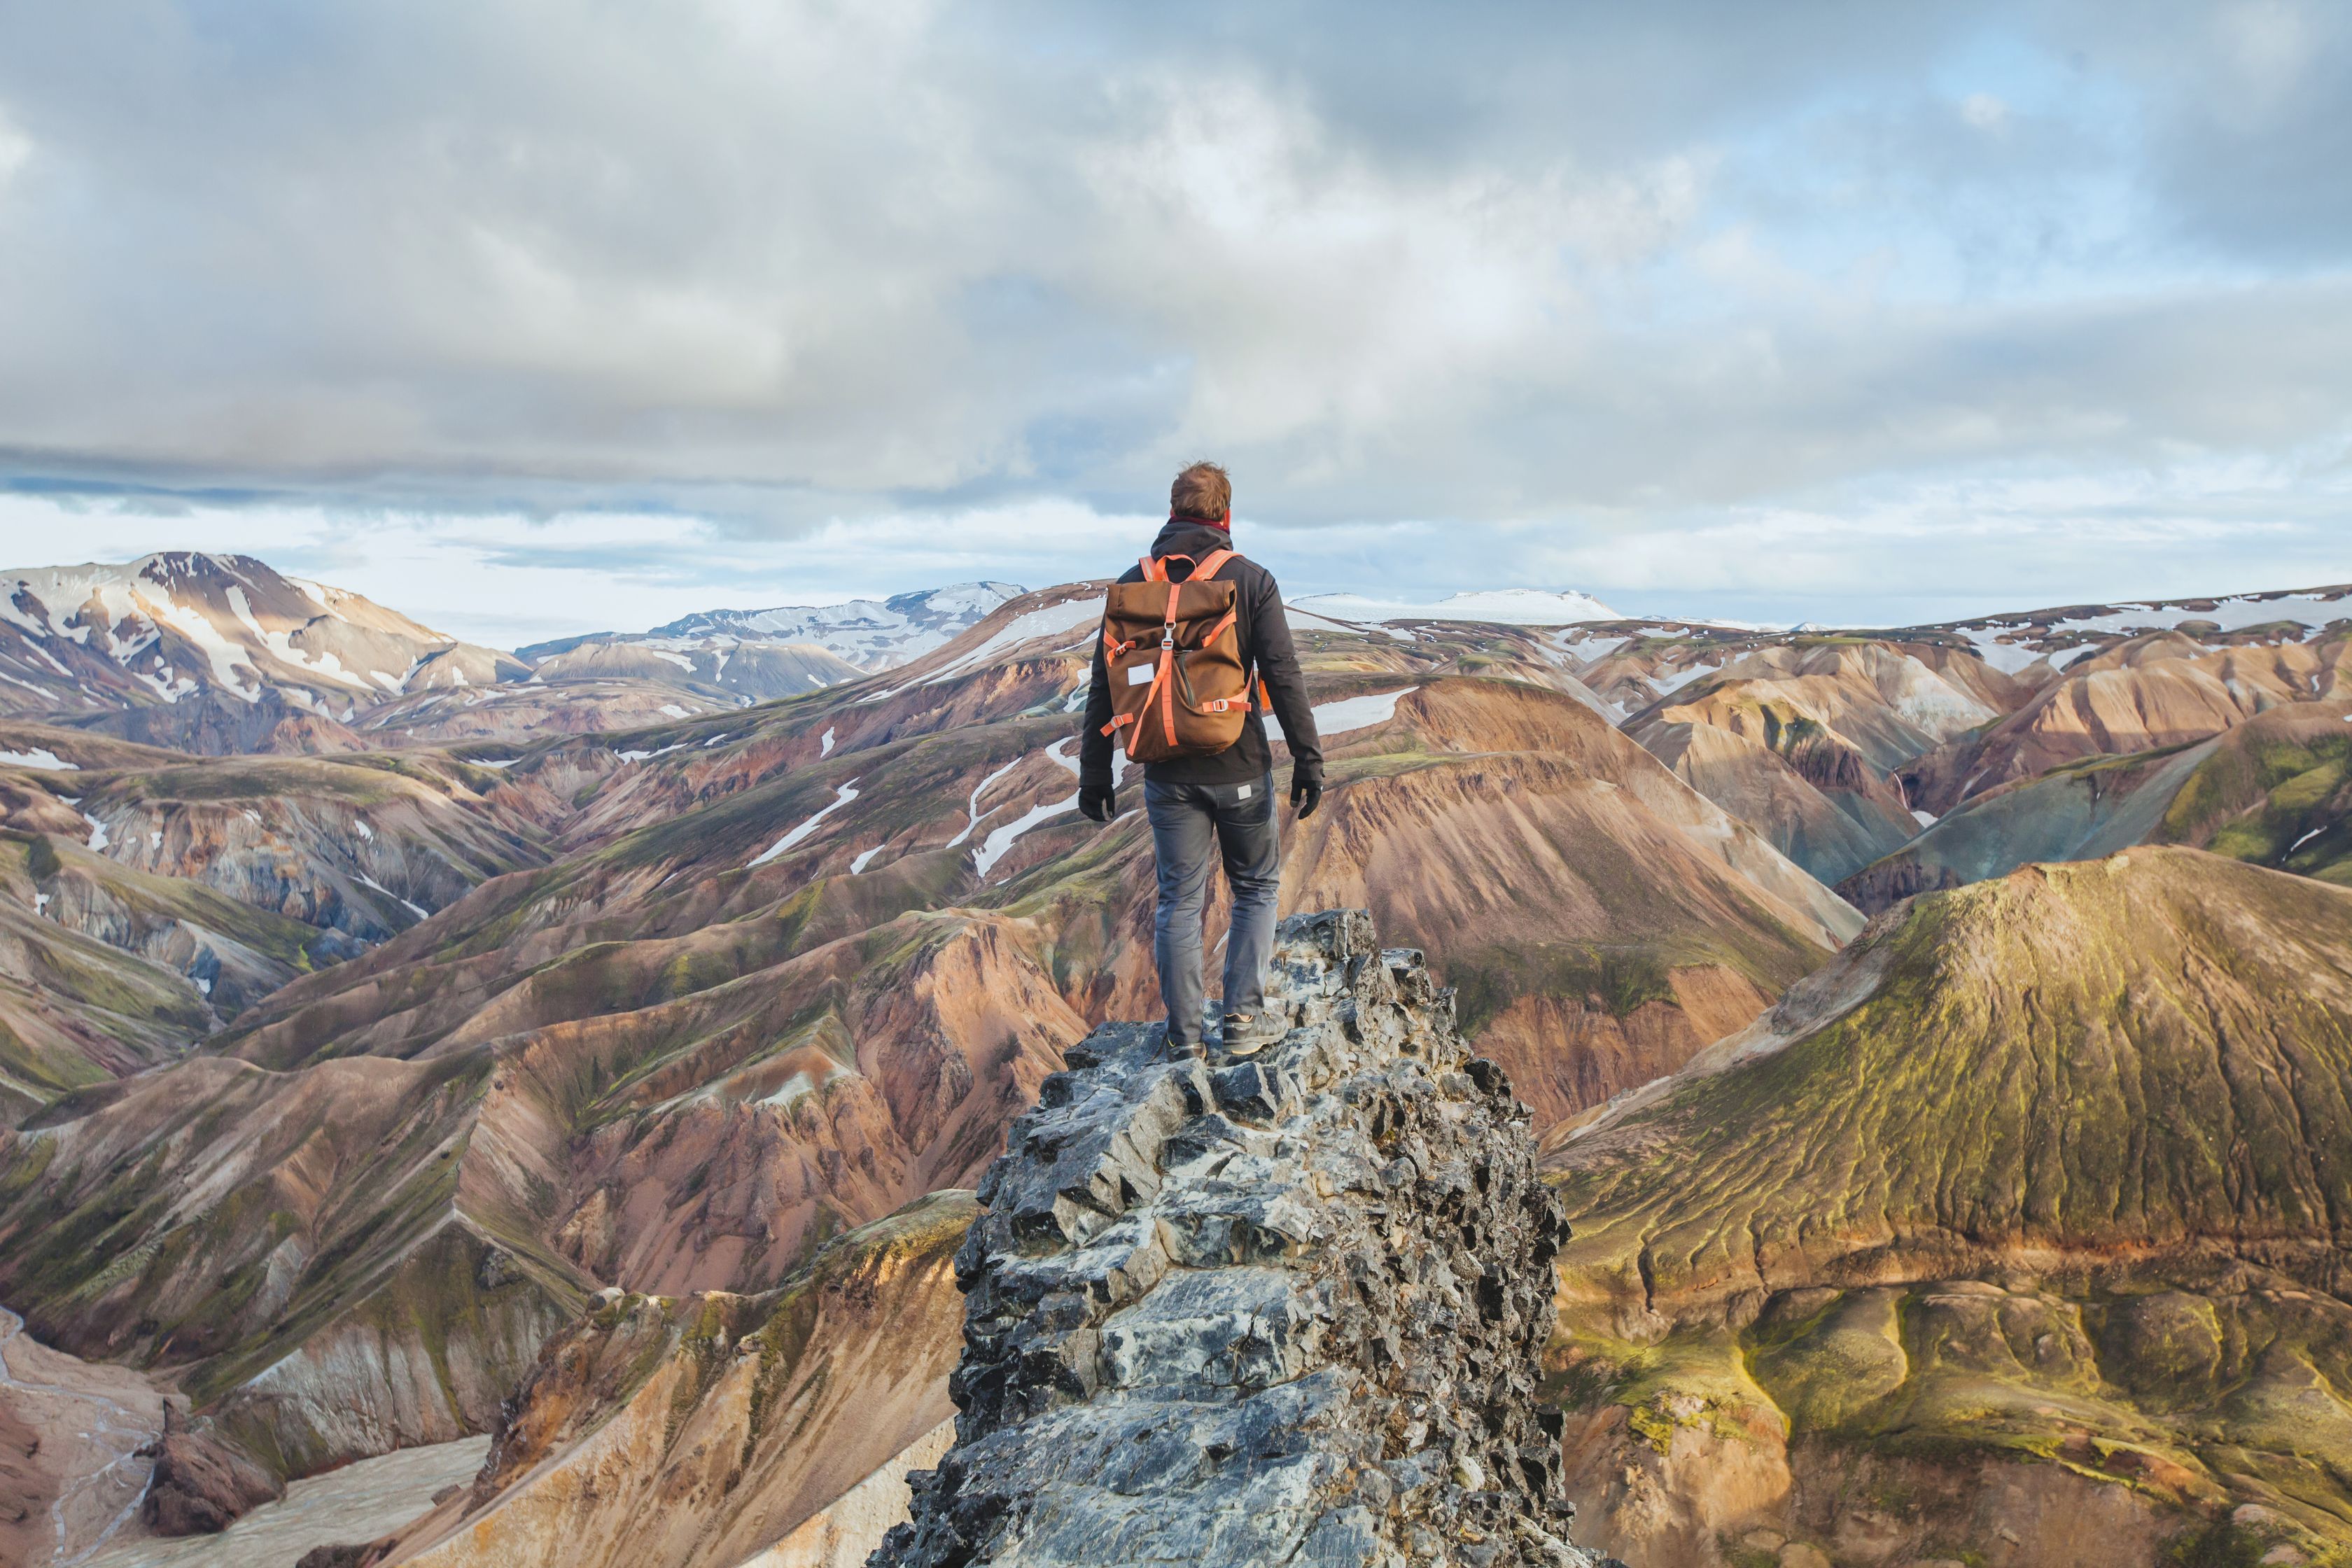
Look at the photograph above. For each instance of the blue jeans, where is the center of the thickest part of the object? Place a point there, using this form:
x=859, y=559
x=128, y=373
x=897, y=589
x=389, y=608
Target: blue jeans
x=1249, y=839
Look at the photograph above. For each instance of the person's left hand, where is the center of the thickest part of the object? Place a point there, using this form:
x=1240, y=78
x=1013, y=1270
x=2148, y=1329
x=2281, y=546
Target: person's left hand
x=1306, y=792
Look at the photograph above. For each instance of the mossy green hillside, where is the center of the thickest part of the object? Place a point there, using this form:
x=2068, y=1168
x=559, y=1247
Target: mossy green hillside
x=2277, y=792
x=2151, y=1051
x=2045, y=1170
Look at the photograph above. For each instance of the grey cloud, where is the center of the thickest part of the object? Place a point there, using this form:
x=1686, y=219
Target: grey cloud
x=782, y=265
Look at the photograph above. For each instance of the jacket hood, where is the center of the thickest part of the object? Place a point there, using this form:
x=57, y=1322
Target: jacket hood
x=1183, y=536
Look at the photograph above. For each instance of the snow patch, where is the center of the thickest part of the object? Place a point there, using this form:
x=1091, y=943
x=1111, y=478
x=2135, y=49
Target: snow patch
x=842, y=797
x=1308, y=620
x=1501, y=606
x=865, y=858
x=972, y=807
x=97, y=831
x=39, y=757
x=1663, y=684
x=1357, y=713
x=824, y=742
x=1118, y=762
x=984, y=859
x=366, y=881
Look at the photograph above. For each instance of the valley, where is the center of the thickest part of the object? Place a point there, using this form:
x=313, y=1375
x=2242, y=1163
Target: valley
x=401, y=1042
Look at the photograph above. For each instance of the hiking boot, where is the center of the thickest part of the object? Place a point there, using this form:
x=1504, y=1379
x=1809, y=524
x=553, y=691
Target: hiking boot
x=1247, y=1034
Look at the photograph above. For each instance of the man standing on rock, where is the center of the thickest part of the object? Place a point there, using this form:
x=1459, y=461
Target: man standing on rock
x=1197, y=665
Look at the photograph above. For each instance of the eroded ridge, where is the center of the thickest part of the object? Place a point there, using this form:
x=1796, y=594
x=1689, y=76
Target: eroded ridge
x=1285, y=1309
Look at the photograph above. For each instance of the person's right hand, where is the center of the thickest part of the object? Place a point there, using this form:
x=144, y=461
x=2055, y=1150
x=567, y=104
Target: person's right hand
x=1099, y=803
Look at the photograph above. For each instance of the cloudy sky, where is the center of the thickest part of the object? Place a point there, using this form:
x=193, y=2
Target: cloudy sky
x=532, y=317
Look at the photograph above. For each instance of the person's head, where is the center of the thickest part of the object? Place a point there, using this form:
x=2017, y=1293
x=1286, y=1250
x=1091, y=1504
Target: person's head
x=1204, y=491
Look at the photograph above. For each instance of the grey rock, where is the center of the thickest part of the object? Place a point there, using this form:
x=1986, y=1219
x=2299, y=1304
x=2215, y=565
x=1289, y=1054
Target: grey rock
x=1282, y=1310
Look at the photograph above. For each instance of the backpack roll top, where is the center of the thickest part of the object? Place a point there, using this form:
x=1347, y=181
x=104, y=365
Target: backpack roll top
x=1174, y=653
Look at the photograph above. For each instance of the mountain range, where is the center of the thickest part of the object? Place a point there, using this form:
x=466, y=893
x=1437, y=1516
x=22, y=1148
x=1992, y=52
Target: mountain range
x=503, y=1053
x=220, y=655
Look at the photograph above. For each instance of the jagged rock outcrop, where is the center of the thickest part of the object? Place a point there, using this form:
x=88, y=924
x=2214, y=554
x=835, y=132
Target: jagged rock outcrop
x=1285, y=1309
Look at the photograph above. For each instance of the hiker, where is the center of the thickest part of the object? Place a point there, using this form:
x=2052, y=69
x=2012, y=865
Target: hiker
x=1194, y=651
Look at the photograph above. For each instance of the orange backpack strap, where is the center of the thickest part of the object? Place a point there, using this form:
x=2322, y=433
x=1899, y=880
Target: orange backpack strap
x=1208, y=565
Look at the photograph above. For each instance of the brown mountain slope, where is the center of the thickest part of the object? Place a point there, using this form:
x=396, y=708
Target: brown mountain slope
x=2272, y=790
x=1602, y=919
x=2021, y=1215
x=75, y=1012
x=691, y=1432
x=784, y=971
x=1826, y=810
x=335, y=1263
x=2165, y=690
x=1800, y=738
x=276, y=1241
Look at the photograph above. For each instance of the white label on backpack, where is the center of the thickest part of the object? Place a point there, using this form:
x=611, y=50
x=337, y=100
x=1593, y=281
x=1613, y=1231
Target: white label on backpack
x=1245, y=794
x=1138, y=674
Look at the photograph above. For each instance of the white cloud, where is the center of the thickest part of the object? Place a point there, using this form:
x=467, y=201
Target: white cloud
x=799, y=299
x=1984, y=111
x=16, y=150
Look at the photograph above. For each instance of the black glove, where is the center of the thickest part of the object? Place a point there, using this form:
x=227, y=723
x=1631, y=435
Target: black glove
x=1306, y=792
x=1097, y=802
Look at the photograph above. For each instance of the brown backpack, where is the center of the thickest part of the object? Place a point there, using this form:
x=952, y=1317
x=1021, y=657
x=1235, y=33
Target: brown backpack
x=1174, y=653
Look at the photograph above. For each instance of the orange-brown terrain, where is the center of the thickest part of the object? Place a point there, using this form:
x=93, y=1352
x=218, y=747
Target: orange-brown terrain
x=341, y=1086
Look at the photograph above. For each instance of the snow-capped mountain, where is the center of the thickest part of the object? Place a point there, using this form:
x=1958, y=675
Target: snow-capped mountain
x=2012, y=643
x=213, y=652
x=1508, y=607
x=870, y=633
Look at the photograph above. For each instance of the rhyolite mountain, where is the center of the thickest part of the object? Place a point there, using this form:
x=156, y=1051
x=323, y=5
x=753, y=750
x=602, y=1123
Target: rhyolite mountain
x=223, y=653
x=216, y=654
x=696, y=997
x=344, y=1083
x=1886, y=761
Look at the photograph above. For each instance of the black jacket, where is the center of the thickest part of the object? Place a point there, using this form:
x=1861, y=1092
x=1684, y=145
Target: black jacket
x=1266, y=651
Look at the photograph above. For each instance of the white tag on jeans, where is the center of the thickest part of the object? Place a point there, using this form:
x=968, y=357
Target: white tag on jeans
x=1138, y=674
x=1245, y=794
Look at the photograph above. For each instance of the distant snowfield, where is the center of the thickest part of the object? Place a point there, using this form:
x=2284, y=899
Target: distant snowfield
x=1507, y=606
x=871, y=633
x=1066, y=616
x=2231, y=614
x=39, y=757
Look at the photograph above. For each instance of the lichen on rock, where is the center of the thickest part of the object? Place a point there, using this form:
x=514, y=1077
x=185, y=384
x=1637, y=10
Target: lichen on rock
x=1282, y=1309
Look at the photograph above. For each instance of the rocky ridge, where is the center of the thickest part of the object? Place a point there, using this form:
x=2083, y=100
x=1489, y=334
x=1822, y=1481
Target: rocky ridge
x=1277, y=1310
